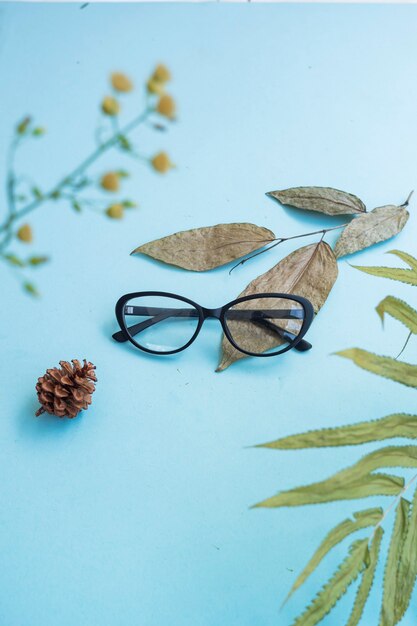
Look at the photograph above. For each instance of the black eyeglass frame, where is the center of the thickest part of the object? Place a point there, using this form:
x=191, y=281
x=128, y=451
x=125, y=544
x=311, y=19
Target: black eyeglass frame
x=219, y=313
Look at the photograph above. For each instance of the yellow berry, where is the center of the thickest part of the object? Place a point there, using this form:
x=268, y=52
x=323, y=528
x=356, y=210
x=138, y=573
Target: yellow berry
x=121, y=82
x=166, y=106
x=161, y=162
x=110, y=181
x=161, y=74
x=153, y=86
x=115, y=211
x=110, y=106
x=25, y=233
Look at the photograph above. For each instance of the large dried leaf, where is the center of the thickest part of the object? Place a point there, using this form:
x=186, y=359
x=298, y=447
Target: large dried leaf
x=385, y=366
x=400, y=310
x=323, y=199
x=309, y=271
x=368, y=576
x=396, y=425
x=387, y=617
x=205, y=248
x=407, y=570
x=408, y=276
x=337, y=586
x=379, y=225
x=362, y=519
x=356, y=481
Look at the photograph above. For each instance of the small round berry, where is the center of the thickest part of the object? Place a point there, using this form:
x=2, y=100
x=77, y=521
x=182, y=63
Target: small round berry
x=166, y=106
x=110, y=181
x=25, y=233
x=161, y=162
x=115, y=211
x=110, y=106
x=161, y=74
x=121, y=82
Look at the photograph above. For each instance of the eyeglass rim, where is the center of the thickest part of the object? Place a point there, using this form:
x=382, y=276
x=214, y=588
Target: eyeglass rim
x=306, y=304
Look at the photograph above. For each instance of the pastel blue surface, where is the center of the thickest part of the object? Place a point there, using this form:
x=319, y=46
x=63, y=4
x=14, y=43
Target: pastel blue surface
x=138, y=511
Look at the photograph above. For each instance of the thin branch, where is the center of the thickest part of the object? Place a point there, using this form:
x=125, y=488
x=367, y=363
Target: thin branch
x=279, y=240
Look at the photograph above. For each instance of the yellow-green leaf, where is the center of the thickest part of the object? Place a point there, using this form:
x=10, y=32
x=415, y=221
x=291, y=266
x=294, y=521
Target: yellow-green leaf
x=201, y=249
x=323, y=199
x=407, y=258
x=337, y=488
x=30, y=289
x=407, y=571
x=367, y=579
x=396, y=425
x=362, y=519
x=400, y=310
x=336, y=586
x=356, y=481
x=14, y=260
x=401, y=372
x=393, y=559
x=393, y=273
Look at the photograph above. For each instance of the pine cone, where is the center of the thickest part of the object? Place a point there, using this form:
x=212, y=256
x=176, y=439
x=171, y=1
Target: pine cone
x=66, y=390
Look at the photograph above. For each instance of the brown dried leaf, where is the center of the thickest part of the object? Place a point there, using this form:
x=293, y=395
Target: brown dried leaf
x=379, y=225
x=322, y=199
x=309, y=271
x=201, y=249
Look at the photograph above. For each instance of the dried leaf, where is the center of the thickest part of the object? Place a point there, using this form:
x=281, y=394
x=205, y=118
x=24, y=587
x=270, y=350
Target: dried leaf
x=362, y=519
x=407, y=571
x=400, y=310
x=309, y=271
x=367, y=580
x=337, y=586
x=323, y=199
x=391, y=568
x=385, y=366
x=396, y=425
x=379, y=225
x=205, y=248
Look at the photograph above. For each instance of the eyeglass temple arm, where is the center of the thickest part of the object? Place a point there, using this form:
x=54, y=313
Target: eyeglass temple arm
x=161, y=314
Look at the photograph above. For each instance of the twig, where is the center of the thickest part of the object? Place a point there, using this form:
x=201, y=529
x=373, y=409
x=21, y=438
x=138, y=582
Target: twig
x=64, y=182
x=279, y=240
x=404, y=346
x=406, y=203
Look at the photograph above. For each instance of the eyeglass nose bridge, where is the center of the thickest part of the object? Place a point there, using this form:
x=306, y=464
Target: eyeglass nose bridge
x=216, y=313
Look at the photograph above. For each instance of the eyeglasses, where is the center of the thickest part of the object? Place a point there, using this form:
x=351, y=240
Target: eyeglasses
x=264, y=324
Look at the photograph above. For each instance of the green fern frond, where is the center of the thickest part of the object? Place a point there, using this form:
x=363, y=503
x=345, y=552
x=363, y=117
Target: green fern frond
x=362, y=519
x=407, y=570
x=367, y=579
x=391, y=567
x=393, y=273
x=399, y=310
x=337, y=585
x=396, y=425
x=407, y=258
x=385, y=366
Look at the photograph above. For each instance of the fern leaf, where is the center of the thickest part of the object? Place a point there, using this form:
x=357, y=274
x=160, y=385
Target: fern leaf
x=407, y=258
x=362, y=519
x=399, y=310
x=356, y=481
x=387, y=367
x=407, y=570
x=391, y=567
x=394, y=273
x=367, y=579
x=396, y=425
x=331, y=490
x=336, y=586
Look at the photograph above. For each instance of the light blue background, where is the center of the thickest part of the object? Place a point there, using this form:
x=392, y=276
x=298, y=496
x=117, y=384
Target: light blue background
x=138, y=511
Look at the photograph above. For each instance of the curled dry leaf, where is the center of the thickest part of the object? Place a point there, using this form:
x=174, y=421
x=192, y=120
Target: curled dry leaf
x=322, y=199
x=309, y=271
x=205, y=248
x=379, y=225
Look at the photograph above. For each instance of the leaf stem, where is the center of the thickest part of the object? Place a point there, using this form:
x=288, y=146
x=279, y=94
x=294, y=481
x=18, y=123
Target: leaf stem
x=392, y=505
x=279, y=240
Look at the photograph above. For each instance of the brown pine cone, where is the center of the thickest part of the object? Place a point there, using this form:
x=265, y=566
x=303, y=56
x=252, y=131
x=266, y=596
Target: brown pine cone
x=65, y=390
